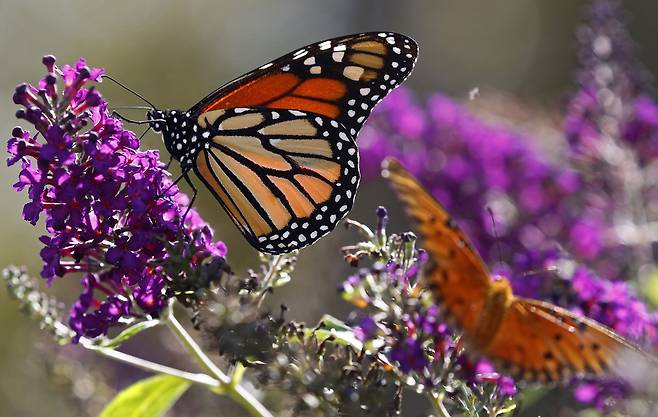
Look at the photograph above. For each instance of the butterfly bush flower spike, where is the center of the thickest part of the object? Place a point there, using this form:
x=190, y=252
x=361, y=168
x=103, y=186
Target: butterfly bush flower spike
x=107, y=216
x=396, y=317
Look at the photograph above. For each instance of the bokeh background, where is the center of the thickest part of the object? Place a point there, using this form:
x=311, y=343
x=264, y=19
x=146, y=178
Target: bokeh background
x=175, y=52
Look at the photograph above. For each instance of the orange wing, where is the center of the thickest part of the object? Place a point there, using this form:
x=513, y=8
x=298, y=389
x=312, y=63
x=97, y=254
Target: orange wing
x=341, y=78
x=286, y=178
x=458, y=277
x=539, y=341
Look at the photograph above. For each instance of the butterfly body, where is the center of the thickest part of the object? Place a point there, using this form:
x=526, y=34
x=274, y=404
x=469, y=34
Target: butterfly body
x=181, y=135
x=277, y=146
x=497, y=303
x=532, y=339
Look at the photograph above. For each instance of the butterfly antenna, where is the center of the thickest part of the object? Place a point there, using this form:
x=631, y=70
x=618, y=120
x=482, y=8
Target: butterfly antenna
x=137, y=122
x=531, y=272
x=130, y=90
x=495, y=232
x=130, y=108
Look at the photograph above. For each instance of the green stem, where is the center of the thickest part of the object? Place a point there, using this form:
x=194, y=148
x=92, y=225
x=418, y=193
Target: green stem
x=437, y=404
x=267, y=280
x=199, y=355
x=226, y=385
x=238, y=372
x=201, y=379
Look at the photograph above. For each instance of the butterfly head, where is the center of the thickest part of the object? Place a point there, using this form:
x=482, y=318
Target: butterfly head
x=175, y=127
x=501, y=291
x=157, y=119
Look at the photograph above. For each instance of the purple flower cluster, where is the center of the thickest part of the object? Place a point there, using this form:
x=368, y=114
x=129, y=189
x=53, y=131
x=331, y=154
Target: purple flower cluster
x=111, y=212
x=611, y=109
x=472, y=166
x=611, y=125
x=477, y=170
x=398, y=319
x=612, y=303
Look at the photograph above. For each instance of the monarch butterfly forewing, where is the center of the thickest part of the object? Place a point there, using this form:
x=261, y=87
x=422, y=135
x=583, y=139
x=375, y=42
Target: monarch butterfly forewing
x=341, y=78
x=534, y=340
x=276, y=146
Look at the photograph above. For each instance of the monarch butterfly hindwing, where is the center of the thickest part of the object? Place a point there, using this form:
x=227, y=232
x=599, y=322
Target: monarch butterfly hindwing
x=280, y=175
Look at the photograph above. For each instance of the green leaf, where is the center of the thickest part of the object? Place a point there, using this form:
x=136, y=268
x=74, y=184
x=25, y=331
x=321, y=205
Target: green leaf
x=150, y=397
x=128, y=333
x=651, y=288
x=342, y=333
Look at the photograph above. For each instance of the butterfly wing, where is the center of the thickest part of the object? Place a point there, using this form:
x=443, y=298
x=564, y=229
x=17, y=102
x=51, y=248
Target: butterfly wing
x=285, y=177
x=539, y=341
x=341, y=78
x=459, y=278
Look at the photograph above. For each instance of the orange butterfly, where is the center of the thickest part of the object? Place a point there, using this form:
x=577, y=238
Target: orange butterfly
x=533, y=340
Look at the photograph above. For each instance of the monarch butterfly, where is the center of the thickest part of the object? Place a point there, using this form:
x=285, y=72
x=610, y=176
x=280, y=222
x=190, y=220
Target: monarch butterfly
x=276, y=146
x=532, y=339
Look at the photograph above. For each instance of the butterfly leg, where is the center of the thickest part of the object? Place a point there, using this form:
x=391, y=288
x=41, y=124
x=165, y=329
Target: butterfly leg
x=144, y=134
x=194, y=189
x=176, y=181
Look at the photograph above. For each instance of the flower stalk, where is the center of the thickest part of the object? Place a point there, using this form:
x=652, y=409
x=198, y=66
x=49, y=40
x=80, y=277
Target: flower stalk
x=437, y=404
x=228, y=386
